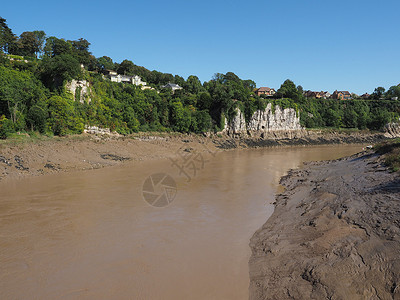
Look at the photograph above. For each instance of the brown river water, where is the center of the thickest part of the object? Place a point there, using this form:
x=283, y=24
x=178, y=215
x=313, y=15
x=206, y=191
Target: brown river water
x=90, y=234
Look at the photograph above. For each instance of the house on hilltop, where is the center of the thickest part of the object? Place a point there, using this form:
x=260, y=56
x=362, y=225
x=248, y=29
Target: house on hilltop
x=109, y=72
x=265, y=91
x=312, y=94
x=326, y=95
x=341, y=95
x=365, y=96
x=115, y=77
x=317, y=95
x=135, y=80
x=172, y=86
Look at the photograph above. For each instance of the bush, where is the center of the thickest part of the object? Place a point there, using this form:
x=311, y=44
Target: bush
x=63, y=118
x=6, y=127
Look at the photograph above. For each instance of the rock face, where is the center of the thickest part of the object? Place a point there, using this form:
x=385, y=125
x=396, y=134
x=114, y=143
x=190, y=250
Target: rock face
x=392, y=130
x=82, y=86
x=264, y=122
x=99, y=131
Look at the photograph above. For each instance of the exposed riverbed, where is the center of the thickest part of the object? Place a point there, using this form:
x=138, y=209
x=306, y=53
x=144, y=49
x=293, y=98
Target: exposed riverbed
x=90, y=234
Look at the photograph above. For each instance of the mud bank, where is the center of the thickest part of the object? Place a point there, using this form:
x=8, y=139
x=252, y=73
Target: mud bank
x=88, y=151
x=334, y=234
x=300, y=138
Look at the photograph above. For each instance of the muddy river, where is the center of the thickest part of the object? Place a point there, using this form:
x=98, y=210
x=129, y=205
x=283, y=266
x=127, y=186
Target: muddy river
x=91, y=234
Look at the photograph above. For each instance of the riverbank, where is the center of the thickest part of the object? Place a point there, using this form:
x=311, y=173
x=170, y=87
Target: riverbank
x=32, y=157
x=334, y=234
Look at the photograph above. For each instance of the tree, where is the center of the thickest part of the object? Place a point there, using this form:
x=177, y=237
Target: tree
x=28, y=44
x=378, y=93
x=105, y=63
x=40, y=36
x=37, y=117
x=80, y=50
x=350, y=117
x=55, y=46
x=204, y=101
x=300, y=89
x=18, y=92
x=393, y=92
x=180, y=117
x=193, y=85
x=179, y=80
x=249, y=84
x=55, y=70
x=288, y=90
x=7, y=37
x=126, y=67
x=6, y=127
x=379, y=118
x=62, y=117
x=332, y=118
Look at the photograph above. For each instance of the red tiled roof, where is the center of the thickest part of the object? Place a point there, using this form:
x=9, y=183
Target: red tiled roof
x=264, y=89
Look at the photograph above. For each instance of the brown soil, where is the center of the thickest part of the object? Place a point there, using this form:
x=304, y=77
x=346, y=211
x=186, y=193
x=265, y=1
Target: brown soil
x=37, y=157
x=90, y=152
x=334, y=234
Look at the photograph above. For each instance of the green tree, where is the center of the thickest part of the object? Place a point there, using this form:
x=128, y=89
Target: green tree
x=37, y=117
x=379, y=118
x=350, y=117
x=56, y=70
x=40, y=36
x=18, y=92
x=62, y=117
x=378, y=93
x=55, y=46
x=393, y=91
x=126, y=67
x=80, y=50
x=7, y=37
x=333, y=118
x=288, y=90
x=28, y=44
x=6, y=127
x=105, y=63
x=180, y=117
x=193, y=85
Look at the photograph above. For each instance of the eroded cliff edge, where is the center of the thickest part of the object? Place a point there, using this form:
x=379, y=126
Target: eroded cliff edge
x=272, y=119
x=334, y=234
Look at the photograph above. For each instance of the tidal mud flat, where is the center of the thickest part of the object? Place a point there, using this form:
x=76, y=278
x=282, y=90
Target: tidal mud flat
x=334, y=234
x=86, y=152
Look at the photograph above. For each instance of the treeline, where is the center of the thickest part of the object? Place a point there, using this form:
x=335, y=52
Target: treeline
x=34, y=70
x=373, y=113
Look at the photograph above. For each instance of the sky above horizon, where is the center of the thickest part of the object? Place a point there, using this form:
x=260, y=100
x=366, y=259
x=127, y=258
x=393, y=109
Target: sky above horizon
x=321, y=45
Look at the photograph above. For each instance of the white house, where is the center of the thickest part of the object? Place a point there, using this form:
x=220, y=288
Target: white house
x=172, y=86
x=135, y=80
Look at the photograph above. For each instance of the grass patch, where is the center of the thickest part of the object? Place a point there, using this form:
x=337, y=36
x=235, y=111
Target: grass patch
x=348, y=131
x=390, y=152
x=34, y=137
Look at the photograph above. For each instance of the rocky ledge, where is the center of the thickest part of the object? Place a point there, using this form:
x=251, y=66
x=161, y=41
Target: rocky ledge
x=333, y=235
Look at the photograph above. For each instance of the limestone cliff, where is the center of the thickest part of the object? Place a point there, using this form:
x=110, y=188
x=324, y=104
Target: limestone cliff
x=79, y=88
x=263, y=122
x=392, y=130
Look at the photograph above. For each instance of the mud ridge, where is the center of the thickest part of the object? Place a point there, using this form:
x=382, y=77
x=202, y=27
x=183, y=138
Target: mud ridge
x=334, y=234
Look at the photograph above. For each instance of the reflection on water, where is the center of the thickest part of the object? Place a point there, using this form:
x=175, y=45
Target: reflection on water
x=90, y=235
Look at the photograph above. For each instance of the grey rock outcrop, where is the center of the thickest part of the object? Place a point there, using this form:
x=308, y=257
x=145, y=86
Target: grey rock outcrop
x=264, y=121
x=392, y=130
x=99, y=131
x=83, y=85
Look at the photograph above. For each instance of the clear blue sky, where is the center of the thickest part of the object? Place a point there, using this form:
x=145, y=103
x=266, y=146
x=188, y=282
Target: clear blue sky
x=322, y=45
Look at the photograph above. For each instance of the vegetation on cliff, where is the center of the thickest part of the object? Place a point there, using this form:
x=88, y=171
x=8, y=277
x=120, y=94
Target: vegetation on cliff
x=390, y=153
x=34, y=70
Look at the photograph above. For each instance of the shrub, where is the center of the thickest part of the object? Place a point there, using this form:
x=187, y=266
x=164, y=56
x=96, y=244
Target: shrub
x=6, y=127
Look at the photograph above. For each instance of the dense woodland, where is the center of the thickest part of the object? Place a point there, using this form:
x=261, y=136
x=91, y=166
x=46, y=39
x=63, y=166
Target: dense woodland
x=34, y=69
